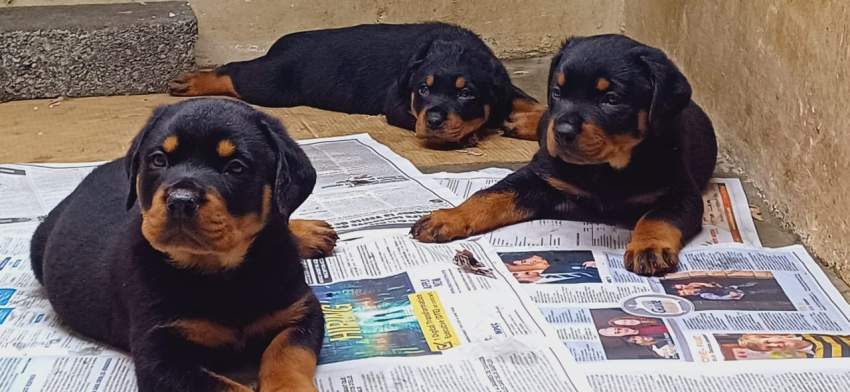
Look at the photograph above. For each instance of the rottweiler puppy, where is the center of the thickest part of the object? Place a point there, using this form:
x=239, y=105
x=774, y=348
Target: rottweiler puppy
x=621, y=142
x=437, y=79
x=182, y=252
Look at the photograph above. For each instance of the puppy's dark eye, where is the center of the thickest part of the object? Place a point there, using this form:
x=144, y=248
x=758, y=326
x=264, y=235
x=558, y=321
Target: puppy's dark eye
x=157, y=160
x=424, y=90
x=556, y=92
x=611, y=99
x=235, y=167
x=465, y=94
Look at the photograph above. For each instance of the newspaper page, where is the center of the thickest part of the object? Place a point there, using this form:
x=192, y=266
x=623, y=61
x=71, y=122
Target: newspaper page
x=404, y=316
x=36, y=352
x=726, y=218
x=726, y=303
x=362, y=184
x=29, y=192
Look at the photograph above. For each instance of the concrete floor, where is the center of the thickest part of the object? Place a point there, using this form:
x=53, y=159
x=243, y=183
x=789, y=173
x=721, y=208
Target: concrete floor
x=100, y=128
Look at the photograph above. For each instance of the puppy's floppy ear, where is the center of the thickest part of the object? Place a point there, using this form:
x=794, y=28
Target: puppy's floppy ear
x=502, y=90
x=131, y=161
x=295, y=176
x=552, y=67
x=413, y=64
x=671, y=91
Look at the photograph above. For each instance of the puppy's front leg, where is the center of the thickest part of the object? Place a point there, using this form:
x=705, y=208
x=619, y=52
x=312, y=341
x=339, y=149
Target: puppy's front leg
x=519, y=197
x=314, y=238
x=167, y=360
x=660, y=234
x=524, y=119
x=289, y=362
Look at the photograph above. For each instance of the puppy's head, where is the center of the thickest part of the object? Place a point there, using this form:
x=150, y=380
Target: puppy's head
x=209, y=174
x=606, y=95
x=454, y=90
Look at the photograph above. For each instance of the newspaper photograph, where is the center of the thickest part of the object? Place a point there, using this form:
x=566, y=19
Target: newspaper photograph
x=726, y=218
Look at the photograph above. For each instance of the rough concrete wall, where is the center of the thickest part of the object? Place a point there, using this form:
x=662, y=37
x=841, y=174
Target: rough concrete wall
x=773, y=76
x=232, y=30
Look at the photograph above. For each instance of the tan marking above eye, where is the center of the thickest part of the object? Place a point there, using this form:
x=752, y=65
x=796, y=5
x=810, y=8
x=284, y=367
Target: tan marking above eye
x=602, y=84
x=429, y=80
x=225, y=148
x=562, y=79
x=170, y=144
x=460, y=82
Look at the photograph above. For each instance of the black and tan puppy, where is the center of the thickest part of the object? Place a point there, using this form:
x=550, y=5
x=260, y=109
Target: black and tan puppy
x=202, y=272
x=440, y=80
x=621, y=142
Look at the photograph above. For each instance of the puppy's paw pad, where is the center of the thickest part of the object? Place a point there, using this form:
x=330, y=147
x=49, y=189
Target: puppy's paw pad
x=522, y=124
x=651, y=258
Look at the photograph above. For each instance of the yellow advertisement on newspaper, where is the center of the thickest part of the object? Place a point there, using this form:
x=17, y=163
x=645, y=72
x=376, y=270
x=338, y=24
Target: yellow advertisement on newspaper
x=435, y=324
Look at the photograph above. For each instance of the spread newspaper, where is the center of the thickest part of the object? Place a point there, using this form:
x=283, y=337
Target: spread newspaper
x=539, y=306
x=719, y=323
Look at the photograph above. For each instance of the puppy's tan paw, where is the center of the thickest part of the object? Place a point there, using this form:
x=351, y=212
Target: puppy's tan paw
x=441, y=226
x=654, y=248
x=192, y=84
x=315, y=238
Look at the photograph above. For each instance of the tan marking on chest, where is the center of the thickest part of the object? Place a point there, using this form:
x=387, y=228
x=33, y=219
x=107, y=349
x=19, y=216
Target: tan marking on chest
x=645, y=198
x=212, y=334
x=281, y=319
x=207, y=333
x=567, y=188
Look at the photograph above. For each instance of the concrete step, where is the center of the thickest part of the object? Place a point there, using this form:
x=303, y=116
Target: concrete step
x=85, y=50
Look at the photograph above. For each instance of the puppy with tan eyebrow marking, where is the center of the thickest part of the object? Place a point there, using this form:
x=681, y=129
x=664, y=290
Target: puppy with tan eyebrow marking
x=439, y=80
x=621, y=142
x=183, y=253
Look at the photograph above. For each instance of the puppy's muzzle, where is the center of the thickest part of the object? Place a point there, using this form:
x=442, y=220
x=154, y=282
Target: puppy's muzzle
x=183, y=201
x=435, y=119
x=566, y=132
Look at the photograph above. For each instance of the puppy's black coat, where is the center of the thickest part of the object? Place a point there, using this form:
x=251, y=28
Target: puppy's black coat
x=202, y=273
x=621, y=142
x=440, y=80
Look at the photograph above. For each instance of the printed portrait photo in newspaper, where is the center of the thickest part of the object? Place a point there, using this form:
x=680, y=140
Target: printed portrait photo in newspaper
x=729, y=290
x=739, y=347
x=552, y=267
x=626, y=336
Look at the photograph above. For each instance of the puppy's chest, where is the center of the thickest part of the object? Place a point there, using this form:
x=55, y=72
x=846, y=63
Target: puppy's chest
x=607, y=191
x=234, y=328
x=230, y=313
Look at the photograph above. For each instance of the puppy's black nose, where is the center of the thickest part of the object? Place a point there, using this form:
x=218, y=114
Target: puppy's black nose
x=566, y=131
x=435, y=119
x=182, y=203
